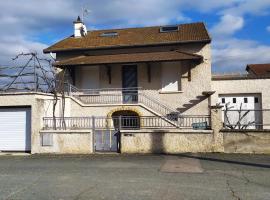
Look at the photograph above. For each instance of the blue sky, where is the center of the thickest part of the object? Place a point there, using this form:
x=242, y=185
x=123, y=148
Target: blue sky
x=240, y=29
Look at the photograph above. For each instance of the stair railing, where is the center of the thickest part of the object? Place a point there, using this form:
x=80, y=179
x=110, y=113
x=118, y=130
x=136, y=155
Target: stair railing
x=115, y=95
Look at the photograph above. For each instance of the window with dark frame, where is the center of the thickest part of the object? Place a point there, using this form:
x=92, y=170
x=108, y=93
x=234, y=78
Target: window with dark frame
x=245, y=100
x=109, y=34
x=256, y=100
x=234, y=100
x=222, y=100
x=165, y=29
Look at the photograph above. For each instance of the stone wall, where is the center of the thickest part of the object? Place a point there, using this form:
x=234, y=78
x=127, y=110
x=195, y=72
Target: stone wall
x=166, y=141
x=180, y=141
x=246, y=141
x=68, y=142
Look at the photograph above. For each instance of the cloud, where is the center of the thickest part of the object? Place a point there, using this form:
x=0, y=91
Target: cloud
x=32, y=25
x=234, y=54
x=242, y=7
x=11, y=46
x=231, y=53
x=23, y=23
x=228, y=25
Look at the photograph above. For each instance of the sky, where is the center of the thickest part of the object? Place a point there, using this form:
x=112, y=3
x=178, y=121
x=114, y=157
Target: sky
x=240, y=29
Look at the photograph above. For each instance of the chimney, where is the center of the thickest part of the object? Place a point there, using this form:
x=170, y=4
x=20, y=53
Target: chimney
x=79, y=28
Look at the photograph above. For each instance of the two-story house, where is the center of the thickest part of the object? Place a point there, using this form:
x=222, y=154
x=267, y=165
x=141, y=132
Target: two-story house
x=135, y=73
x=134, y=90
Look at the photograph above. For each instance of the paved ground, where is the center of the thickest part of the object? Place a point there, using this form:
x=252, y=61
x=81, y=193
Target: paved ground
x=124, y=177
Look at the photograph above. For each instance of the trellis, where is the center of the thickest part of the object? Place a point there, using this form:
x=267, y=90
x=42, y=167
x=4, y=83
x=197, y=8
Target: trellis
x=34, y=75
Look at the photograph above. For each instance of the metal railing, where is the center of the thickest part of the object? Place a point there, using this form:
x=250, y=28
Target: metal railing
x=121, y=96
x=69, y=123
x=125, y=122
x=246, y=119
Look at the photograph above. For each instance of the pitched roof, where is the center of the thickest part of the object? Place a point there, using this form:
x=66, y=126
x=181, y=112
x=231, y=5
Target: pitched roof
x=128, y=58
x=259, y=69
x=194, y=32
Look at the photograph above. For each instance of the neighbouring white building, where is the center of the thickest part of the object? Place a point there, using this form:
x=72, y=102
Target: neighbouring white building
x=248, y=92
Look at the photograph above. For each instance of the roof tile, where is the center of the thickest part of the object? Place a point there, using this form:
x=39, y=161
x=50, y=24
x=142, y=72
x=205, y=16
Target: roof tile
x=194, y=32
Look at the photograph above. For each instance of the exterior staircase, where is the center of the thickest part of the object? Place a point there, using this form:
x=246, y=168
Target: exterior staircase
x=136, y=96
x=145, y=99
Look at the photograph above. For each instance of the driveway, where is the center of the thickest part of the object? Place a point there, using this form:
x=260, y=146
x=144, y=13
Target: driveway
x=124, y=177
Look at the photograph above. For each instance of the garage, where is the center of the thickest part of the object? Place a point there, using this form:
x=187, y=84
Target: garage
x=250, y=106
x=15, y=129
x=245, y=101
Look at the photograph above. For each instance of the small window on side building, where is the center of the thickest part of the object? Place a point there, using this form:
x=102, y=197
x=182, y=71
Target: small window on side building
x=234, y=100
x=245, y=100
x=256, y=100
x=222, y=100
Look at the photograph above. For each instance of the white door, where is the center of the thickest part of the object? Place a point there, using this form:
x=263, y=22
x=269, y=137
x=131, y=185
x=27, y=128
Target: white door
x=15, y=129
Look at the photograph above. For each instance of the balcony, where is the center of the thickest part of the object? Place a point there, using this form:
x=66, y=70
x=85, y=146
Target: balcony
x=122, y=96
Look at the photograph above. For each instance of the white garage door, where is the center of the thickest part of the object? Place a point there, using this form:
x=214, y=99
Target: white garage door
x=250, y=105
x=15, y=129
x=245, y=101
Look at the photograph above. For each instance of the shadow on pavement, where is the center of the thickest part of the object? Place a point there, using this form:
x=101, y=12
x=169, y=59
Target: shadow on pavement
x=202, y=157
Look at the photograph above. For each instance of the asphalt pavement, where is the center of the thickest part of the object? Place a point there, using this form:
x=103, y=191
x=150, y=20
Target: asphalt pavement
x=132, y=177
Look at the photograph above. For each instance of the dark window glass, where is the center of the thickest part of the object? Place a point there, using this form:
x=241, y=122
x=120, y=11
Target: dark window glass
x=234, y=100
x=223, y=100
x=109, y=34
x=245, y=100
x=256, y=100
x=168, y=28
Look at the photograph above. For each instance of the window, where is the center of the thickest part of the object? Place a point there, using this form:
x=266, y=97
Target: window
x=164, y=29
x=109, y=34
x=234, y=100
x=256, y=100
x=171, y=72
x=223, y=100
x=88, y=77
x=245, y=100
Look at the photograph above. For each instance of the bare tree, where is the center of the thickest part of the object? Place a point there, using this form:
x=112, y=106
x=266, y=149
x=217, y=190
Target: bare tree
x=241, y=114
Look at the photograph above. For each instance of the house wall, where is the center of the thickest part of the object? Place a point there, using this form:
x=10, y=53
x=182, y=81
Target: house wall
x=42, y=106
x=88, y=77
x=38, y=111
x=140, y=141
x=187, y=100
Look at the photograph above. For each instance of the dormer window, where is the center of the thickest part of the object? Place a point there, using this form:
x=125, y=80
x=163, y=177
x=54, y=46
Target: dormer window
x=165, y=29
x=109, y=34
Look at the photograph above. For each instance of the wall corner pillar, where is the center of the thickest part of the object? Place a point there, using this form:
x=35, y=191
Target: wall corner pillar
x=217, y=124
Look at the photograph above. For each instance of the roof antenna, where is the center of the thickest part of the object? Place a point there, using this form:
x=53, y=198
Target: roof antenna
x=85, y=12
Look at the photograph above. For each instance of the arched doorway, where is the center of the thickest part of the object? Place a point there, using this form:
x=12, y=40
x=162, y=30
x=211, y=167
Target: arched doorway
x=126, y=119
